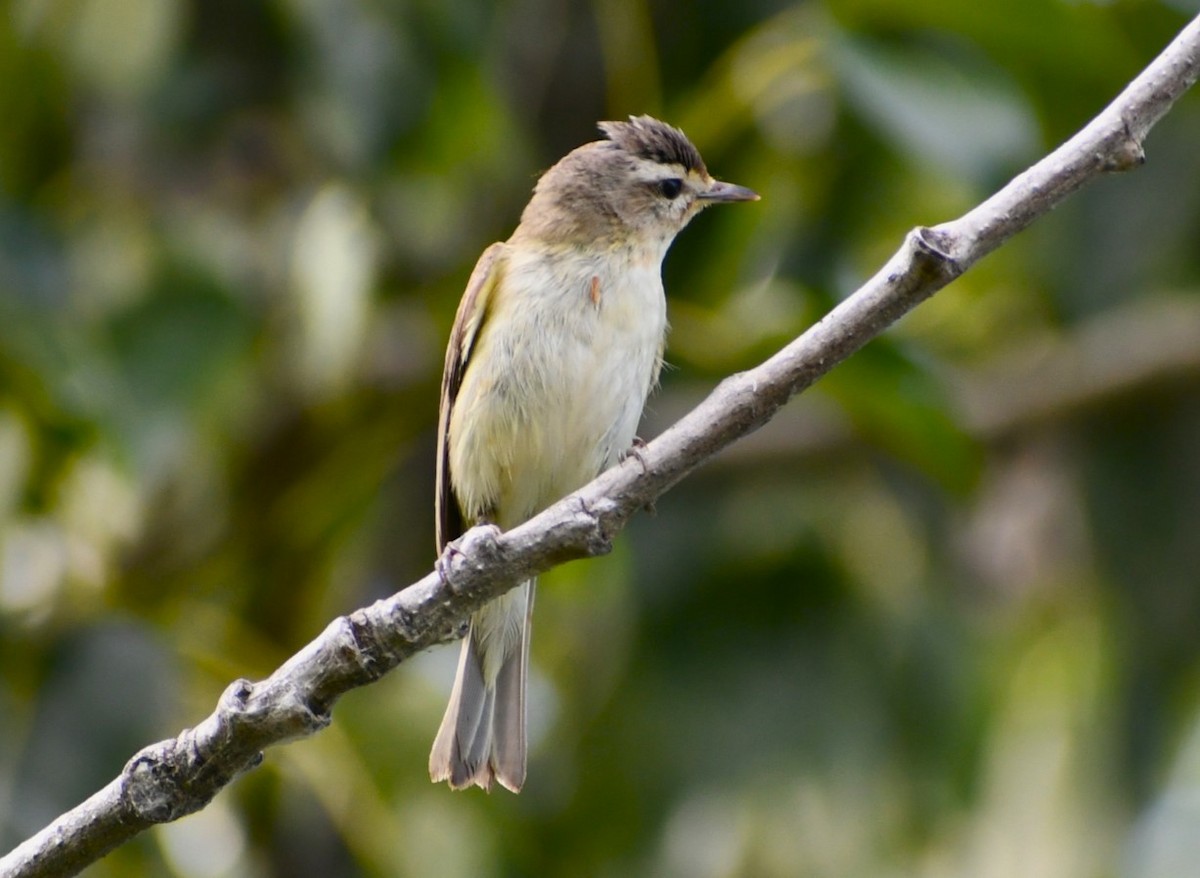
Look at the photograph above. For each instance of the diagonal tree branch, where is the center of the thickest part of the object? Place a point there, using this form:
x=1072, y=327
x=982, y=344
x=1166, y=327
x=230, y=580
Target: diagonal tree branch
x=1149, y=344
x=176, y=777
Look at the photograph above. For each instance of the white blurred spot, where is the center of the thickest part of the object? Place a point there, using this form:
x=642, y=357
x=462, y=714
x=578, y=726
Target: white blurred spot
x=207, y=844
x=333, y=265
x=439, y=836
x=99, y=510
x=702, y=839
x=33, y=563
x=1164, y=842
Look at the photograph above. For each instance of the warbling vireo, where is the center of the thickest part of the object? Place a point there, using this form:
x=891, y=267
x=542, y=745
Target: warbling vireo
x=557, y=343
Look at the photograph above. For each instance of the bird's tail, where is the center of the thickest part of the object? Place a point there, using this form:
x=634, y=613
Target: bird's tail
x=482, y=737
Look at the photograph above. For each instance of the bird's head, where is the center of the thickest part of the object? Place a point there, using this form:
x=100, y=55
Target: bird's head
x=638, y=187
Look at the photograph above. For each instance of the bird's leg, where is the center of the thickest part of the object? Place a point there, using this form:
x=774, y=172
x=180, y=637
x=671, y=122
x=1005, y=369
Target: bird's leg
x=454, y=547
x=442, y=566
x=635, y=451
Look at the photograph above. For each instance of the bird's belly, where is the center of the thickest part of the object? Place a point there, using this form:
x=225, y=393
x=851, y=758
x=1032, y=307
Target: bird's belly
x=564, y=402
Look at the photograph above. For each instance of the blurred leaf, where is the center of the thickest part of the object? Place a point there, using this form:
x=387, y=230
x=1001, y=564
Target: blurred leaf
x=173, y=346
x=899, y=407
x=949, y=109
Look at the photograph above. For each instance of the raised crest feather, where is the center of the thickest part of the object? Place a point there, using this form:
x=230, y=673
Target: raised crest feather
x=657, y=141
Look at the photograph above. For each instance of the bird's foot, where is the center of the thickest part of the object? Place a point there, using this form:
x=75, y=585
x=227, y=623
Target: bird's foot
x=635, y=451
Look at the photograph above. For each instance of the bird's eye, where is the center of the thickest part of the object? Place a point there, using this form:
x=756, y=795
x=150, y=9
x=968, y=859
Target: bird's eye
x=670, y=188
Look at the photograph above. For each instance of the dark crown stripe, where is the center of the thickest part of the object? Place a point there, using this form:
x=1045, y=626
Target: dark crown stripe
x=657, y=141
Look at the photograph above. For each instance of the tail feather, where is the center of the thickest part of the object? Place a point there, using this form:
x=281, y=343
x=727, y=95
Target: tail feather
x=461, y=746
x=482, y=736
x=508, y=721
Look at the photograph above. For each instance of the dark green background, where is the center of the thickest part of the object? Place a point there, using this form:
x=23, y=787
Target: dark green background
x=924, y=624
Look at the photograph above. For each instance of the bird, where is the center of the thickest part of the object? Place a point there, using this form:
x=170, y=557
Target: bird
x=556, y=345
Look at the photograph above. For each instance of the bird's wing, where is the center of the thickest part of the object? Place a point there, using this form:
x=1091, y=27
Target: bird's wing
x=472, y=312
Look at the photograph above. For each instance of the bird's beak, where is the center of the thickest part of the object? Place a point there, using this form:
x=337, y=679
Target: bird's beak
x=719, y=191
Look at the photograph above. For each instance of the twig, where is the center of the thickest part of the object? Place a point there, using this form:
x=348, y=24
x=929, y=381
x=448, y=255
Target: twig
x=176, y=777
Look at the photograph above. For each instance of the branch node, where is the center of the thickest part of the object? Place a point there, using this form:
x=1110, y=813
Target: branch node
x=151, y=787
x=236, y=696
x=234, y=706
x=1126, y=155
x=364, y=642
x=598, y=539
x=927, y=261
x=934, y=247
x=295, y=711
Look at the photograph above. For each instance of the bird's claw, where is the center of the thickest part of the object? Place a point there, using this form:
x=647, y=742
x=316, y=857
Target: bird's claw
x=635, y=451
x=442, y=564
x=455, y=547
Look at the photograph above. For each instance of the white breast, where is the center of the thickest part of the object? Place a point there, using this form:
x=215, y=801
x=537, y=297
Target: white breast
x=556, y=383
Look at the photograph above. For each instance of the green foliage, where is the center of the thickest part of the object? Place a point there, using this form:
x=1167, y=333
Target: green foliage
x=876, y=638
